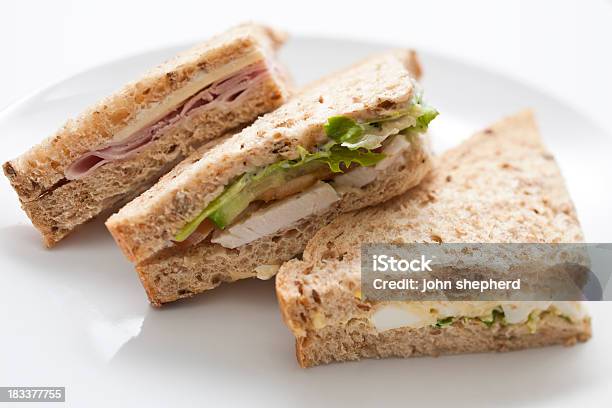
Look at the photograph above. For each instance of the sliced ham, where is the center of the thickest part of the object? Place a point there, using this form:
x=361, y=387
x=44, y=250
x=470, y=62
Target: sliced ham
x=224, y=93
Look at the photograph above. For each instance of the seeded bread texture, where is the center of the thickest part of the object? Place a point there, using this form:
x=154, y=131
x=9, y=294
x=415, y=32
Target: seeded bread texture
x=41, y=167
x=58, y=212
x=369, y=89
x=177, y=273
x=501, y=185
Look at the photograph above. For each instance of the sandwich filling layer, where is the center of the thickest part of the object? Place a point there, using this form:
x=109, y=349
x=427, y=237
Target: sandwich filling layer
x=389, y=316
x=265, y=201
x=223, y=89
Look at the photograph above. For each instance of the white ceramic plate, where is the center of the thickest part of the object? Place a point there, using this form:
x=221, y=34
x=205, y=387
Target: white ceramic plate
x=77, y=316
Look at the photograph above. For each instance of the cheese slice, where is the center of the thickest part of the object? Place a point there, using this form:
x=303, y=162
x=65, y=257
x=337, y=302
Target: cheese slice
x=174, y=99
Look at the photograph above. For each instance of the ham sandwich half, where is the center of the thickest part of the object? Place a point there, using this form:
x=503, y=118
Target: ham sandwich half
x=122, y=145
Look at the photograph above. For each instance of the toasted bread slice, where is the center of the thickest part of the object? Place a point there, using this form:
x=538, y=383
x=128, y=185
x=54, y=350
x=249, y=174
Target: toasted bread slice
x=57, y=202
x=501, y=185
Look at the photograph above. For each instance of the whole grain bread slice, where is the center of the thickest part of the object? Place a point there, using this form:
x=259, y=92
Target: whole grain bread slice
x=501, y=185
x=374, y=87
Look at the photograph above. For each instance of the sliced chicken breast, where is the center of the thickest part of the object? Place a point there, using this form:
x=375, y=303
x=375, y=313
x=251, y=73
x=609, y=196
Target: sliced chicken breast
x=278, y=216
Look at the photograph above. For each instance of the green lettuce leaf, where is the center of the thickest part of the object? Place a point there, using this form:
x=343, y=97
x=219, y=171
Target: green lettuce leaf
x=427, y=115
x=369, y=141
x=350, y=143
x=340, y=158
x=497, y=314
x=444, y=322
x=349, y=133
x=343, y=129
x=245, y=189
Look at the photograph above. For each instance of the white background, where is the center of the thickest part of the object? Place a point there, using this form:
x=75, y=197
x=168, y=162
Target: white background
x=560, y=47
